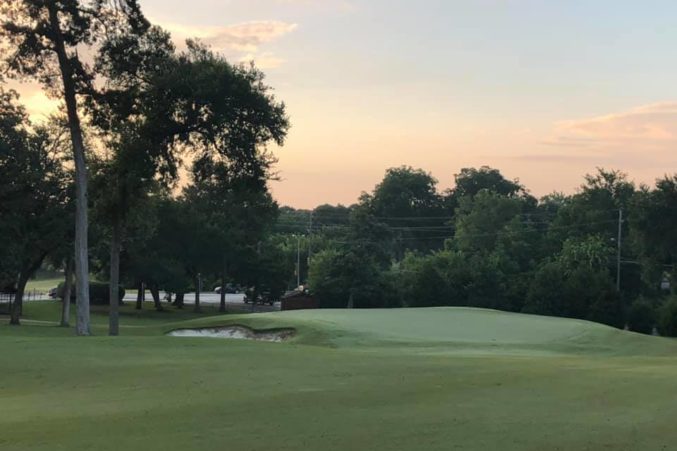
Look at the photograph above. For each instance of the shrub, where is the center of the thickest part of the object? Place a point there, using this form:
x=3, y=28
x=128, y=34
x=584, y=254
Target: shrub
x=335, y=275
x=547, y=292
x=642, y=316
x=667, y=318
x=98, y=293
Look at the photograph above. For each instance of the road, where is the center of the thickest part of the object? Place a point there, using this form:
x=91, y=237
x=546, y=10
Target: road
x=233, y=301
x=189, y=298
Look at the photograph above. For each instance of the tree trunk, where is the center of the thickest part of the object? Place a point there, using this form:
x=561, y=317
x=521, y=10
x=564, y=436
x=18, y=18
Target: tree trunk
x=196, y=309
x=156, y=297
x=81, y=249
x=114, y=292
x=17, y=305
x=222, y=305
x=24, y=275
x=140, y=295
x=178, y=300
x=66, y=301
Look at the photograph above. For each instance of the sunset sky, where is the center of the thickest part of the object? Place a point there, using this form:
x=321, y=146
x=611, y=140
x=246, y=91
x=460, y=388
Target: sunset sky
x=544, y=90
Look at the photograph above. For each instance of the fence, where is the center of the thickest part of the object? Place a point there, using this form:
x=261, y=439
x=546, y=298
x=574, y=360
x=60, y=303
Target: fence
x=6, y=300
x=35, y=295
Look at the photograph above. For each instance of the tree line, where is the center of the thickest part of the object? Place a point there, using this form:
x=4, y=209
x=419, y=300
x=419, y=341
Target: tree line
x=489, y=243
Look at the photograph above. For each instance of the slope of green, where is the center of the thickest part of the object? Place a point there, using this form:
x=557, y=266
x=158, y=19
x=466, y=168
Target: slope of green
x=375, y=380
x=454, y=329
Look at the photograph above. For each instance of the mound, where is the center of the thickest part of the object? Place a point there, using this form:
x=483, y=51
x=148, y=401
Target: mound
x=456, y=329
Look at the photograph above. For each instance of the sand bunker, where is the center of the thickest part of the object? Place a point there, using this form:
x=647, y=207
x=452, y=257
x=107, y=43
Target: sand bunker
x=236, y=333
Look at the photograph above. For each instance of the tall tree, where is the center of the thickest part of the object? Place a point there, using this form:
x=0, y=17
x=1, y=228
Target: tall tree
x=471, y=181
x=407, y=201
x=135, y=128
x=33, y=196
x=157, y=103
x=653, y=230
x=237, y=209
x=42, y=40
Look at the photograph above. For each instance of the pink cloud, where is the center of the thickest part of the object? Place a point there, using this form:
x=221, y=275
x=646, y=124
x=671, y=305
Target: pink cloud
x=652, y=123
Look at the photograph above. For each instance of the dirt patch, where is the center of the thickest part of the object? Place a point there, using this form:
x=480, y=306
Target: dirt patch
x=236, y=333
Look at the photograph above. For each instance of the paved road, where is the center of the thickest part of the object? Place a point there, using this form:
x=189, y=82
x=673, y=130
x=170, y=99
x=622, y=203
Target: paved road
x=189, y=298
x=235, y=301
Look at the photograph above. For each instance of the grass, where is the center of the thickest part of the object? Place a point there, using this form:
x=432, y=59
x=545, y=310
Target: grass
x=434, y=379
x=43, y=285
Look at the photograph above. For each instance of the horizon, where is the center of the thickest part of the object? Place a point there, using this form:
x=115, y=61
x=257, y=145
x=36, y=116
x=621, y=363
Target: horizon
x=543, y=92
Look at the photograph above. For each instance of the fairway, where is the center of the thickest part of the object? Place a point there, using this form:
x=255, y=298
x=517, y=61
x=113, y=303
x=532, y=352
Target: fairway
x=418, y=379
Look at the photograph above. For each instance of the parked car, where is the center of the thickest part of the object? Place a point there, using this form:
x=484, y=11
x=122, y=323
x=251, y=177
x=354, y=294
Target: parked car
x=261, y=298
x=52, y=293
x=230, y=289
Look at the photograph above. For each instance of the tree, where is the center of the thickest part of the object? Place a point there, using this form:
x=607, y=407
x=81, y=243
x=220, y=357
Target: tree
x=43, y=39
x=33, y=197
x=347, y=279
x=237, y=212
x=594, y=211
x=652, y=229
x=470, y=181
x=157, y=103
x=642, y=316
x=481, y=219
x=438, y=279
x=407, y=202
x=328, y=216
x=667, y=318
x=159, y=233
x=577, y=283
x=136, y=129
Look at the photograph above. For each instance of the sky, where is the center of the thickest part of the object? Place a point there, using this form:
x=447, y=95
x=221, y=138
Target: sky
x=544, y=90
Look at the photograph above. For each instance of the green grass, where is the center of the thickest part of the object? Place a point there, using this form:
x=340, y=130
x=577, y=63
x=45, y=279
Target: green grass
x=43, y=285
x=434, y=379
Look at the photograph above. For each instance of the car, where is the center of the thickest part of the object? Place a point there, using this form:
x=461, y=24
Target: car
x=262, y=298
x=52, y=293
x=230, y=289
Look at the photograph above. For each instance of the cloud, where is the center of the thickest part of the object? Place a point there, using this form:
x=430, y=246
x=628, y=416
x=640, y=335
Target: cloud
x=243, y=37
x=653, y=124
x=555, y=158
x=241, y=41
x=265, y=60
x=639, y=139
x=340, y=5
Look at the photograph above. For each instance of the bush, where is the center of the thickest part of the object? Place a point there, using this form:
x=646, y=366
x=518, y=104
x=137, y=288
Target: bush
x=667, y=318
x=98, y=293
x=547, y=293
x=334, y=275
x=642, y=316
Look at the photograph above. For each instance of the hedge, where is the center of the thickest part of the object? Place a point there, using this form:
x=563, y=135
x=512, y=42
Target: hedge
x=98, y=293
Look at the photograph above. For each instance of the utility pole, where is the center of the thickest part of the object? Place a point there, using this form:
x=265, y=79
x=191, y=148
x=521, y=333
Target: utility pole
x=298, y=261
x=255, y=294
x=310, y=233
x=618, y=257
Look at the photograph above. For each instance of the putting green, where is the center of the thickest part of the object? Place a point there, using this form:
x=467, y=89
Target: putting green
x=456, y=330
